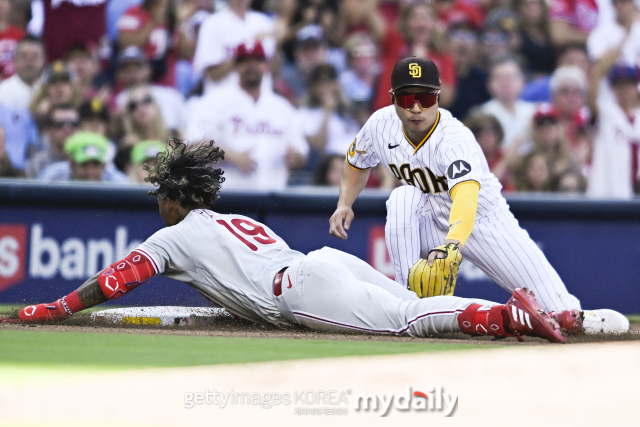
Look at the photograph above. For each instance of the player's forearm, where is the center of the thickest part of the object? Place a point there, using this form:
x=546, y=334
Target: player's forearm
x=90, y=292
x=463, y=211
x=352, y=183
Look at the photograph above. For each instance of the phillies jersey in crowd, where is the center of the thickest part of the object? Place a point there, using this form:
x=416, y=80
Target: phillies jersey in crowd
x=72, y=22
x=231, y=259
x=448, y=155
x=8, y=42
x=265, y=130
x=580, y=14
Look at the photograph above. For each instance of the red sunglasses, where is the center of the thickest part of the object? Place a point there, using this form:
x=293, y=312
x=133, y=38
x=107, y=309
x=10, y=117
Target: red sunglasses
x=425, y=100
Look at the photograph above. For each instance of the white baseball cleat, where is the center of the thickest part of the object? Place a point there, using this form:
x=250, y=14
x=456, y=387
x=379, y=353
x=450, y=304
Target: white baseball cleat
x=604, y=321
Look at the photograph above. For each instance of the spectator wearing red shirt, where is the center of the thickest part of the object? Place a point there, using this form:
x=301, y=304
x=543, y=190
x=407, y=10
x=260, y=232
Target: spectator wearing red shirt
x=71, y=22
x=158, y=30
x=572, y=20
x=9, y=37
x=452, y=12
x=418, y=36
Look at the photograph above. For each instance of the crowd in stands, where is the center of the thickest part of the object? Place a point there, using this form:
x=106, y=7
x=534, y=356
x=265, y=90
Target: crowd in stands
x=92, y=90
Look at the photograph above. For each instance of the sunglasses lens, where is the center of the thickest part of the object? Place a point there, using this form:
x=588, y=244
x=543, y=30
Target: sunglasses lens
x=426, y=100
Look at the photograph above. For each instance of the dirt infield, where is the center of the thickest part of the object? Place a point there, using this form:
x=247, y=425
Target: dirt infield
x=224, y=327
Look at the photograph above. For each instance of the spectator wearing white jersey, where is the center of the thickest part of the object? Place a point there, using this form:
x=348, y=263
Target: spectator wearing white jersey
x=505, y=84
x=16, y=91
x=258, y=129
x=616, y=155
x=221, y=33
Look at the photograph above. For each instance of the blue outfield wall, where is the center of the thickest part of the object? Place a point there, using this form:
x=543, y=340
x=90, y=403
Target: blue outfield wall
x=53, y=237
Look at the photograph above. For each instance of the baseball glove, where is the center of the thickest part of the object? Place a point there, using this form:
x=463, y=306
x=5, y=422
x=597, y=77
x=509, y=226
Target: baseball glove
x=440, y=279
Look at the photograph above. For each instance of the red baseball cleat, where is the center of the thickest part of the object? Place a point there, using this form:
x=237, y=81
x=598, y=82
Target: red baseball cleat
x=521, y=315
x=526, y=317
x=570, y=320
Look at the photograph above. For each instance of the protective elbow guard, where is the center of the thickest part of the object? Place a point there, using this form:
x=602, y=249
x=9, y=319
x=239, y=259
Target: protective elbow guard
x=125, y=275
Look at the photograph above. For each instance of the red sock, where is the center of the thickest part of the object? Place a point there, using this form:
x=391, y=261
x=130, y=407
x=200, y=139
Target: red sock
x=473, y=321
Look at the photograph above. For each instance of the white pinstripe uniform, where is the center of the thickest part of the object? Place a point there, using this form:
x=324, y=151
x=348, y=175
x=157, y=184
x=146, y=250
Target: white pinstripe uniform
x=418, y=212
x=233, y=260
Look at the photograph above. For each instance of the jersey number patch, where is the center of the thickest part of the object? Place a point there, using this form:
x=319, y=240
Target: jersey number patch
x=254, y=231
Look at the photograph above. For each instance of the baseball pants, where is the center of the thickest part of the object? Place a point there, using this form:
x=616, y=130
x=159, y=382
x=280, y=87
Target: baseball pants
x=497, y=245
x=334, y=291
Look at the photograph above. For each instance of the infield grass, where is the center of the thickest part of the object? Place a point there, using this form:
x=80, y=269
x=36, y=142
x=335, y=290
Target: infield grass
x=125, y=351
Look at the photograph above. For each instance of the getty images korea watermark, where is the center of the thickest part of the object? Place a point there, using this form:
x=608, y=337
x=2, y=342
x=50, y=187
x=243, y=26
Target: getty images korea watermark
x=332, y=402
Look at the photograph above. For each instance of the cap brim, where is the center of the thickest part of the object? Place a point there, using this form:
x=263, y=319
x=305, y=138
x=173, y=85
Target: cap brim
x=415, y=85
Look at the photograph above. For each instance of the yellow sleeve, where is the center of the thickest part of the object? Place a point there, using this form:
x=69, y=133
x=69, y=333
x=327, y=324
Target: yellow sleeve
x=463, y=210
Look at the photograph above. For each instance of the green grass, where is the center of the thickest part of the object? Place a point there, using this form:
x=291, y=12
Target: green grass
x=123, y=351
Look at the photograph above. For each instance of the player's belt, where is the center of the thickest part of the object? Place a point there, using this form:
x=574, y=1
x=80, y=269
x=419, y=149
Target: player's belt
x=277, y=282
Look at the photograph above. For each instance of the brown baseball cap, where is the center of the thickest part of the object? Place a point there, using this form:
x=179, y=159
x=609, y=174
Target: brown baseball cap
x=414, y=71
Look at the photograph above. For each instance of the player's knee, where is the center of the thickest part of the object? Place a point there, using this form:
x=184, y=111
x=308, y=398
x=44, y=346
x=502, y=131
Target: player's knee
x=400, y=202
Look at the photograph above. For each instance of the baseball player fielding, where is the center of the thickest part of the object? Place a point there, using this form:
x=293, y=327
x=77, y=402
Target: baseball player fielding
x=449, y=199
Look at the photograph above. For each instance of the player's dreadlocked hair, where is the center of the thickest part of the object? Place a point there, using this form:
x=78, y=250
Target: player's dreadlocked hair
x=186, y=174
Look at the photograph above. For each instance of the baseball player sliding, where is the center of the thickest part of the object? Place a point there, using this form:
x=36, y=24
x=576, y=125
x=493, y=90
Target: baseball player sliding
x=450, y=204
x=243, y=266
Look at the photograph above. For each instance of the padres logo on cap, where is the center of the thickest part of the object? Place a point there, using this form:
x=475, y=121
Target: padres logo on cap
x=415, y=70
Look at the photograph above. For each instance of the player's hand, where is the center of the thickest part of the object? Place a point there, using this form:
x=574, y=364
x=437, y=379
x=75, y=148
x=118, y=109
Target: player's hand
x=433, y=255
x=340, y=222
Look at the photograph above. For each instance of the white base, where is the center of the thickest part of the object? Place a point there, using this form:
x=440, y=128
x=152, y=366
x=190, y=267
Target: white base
x=163, y=316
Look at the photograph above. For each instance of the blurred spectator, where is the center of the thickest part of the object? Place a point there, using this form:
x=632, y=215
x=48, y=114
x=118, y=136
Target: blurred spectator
x=29, y=61
x=65, y=24
x=569, y=96
x=548, y=139
x=157, y=27
x=622, y=34
x=85, y=68
x=488, y=132
x=20, y=135
x=142, y=119
x=326, y=124
x=329, y=171
x=535, y=40
x=293, y=15
x=143, y=156
x=133, y=71
x=359, y=16
x=471, y=89
x=115, y=9
x=452, y=12
x=94, y=117
x=571, y=182
x=20, y=13
x=533, y=173
x=87, y=161
x=310, y=51
x=61, y=123
x=9, y=37
x=259, y=130
x=500, y=36
x=222, y=32
x=418, y=36
x=539, y=90
x=505, y=83
x=56, y=89
x=7, y=170
x=571, y=21
x=615, y=171
x=359, y=79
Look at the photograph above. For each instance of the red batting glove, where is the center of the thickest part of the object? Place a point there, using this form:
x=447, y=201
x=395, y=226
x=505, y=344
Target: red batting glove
x=58, y=310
